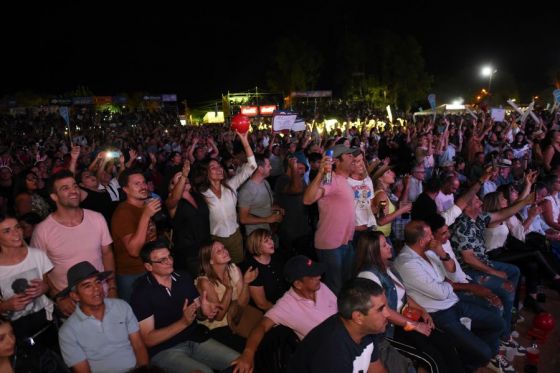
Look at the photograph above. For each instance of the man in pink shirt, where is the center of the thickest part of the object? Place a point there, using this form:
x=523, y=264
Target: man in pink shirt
x=71, y=235
x=307, y=304
x=335, y=230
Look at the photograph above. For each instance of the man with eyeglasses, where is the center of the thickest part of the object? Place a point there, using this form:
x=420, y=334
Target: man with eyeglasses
x=167, y=306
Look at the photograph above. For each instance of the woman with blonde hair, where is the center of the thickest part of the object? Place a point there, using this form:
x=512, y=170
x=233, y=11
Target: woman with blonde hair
x=224, y=283
x=269, y=285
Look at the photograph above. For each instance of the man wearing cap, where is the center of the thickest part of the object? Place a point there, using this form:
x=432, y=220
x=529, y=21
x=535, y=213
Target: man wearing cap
x=102, y=335
x=504, y=172
x=347, y=341
x=335, y=230
x=302, y=308
x=255, y=201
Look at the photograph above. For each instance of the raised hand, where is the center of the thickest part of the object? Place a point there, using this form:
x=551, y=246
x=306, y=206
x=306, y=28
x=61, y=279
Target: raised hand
x=250, y=275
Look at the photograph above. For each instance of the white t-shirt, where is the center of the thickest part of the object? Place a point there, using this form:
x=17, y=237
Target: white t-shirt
x=363, y=194
x=444, y=201
x=34, y=266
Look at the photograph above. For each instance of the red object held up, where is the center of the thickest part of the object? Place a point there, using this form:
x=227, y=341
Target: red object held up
x=240, y=123
x=544, y=321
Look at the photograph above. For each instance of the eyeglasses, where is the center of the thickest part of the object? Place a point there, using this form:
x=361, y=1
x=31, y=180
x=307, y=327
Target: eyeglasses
x=166, y=260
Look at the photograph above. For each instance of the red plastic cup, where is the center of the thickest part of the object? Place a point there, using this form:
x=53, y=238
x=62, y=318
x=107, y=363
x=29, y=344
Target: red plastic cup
x=532, y=355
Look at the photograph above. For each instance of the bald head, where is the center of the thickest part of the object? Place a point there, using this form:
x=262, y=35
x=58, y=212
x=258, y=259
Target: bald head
x=416, y=232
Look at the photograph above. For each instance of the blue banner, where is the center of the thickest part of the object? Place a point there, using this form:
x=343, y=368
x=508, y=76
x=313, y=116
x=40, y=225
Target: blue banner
x=63, y=110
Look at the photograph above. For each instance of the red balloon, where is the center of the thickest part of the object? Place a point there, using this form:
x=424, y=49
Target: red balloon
x=240, y=123
x=544, y=321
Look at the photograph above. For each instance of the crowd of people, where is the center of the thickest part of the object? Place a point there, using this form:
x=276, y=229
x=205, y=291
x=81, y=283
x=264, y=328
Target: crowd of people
x=148, y=246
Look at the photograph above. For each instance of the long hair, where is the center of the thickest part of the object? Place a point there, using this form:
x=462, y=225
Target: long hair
x=200, y=179
x=206, y=268
x=369, y=252
x=491, y=202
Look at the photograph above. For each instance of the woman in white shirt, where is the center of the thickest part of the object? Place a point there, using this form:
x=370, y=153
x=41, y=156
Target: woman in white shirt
x=503, y=244
x=23, y=286
x=221, y=196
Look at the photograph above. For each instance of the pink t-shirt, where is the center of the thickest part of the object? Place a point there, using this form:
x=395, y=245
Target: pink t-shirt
x=336, y=215
x=66, y=246
x=302, y=314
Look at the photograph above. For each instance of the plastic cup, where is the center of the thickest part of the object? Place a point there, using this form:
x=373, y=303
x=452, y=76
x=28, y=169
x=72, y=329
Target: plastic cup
x=532, y=355
x=466, y=321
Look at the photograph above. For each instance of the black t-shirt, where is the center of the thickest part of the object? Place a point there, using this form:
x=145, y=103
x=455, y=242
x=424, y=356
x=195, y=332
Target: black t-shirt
x=329, y=348
x=100, y=202
x=423, y=208
x=149, y=298
x=296, y=221
x=270, y=277
x=191, y=229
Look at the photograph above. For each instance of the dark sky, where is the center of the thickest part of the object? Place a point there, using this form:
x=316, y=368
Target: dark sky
x=200, y=51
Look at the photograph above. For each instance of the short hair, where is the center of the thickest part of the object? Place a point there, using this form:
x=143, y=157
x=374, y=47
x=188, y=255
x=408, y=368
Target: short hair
x=149, y=247
x=549, y=181
x=63, y=174
x=4, y=216
x=256, y=239
x=356, y=295
x=260, y=160
x=414, y=231
x=435, y=222
x=433, y=185
x=314, y=157
x=125, y=175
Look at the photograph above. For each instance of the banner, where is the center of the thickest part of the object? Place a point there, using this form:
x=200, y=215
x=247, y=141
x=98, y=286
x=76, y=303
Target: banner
x=61, y=101
x=169, y=98
x=498, y=115
x=283, y=120
x=432, y=100
x=556, y=94
x=102, y=100
x=250, y=111
x=85, y=100
x=63, y=110
x=267, y=110
x=312, y=94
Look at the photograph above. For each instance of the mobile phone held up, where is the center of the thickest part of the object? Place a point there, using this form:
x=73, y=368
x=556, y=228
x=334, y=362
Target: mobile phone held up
x=113, y=154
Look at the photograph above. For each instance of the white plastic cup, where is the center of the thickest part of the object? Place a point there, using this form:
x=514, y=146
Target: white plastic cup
x=510, y=354
x=466, y=321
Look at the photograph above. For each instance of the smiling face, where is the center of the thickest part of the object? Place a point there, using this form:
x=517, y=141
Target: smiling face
x=136, y=188
x=220, y=255
x=215, y=171
x=11, y=234
x=66, y=193
x=89, y=292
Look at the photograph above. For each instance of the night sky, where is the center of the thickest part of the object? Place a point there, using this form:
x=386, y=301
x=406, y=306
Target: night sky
x=201, y=51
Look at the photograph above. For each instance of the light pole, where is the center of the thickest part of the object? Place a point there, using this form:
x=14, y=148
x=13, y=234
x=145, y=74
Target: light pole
x=488, y=71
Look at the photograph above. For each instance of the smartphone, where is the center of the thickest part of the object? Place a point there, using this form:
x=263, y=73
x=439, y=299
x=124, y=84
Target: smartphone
x=113, y=154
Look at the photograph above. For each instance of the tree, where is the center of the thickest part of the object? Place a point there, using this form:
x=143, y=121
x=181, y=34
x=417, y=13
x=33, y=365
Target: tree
x=295, y=66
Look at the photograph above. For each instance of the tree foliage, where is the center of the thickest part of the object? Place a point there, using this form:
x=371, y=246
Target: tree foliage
x=295, y=66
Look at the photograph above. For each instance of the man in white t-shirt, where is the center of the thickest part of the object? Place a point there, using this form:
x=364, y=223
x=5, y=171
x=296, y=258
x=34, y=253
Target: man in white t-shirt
x=445, y=198
x=71, y=235
x=362, y=187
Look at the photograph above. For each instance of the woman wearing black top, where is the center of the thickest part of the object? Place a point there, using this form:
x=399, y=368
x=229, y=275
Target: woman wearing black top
x=269, y=285
x=190, y=220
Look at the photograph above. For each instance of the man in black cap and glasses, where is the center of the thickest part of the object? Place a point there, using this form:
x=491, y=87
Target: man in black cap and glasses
x=102, y=335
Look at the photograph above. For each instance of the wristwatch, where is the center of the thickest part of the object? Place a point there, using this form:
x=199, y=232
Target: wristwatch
x=445, y=258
